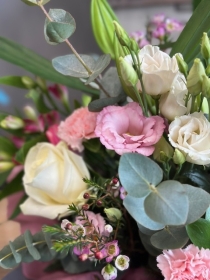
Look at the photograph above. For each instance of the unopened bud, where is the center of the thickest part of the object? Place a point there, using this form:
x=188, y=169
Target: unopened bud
x=178, y=157
x=6, y=165
x=108, y=228
x=134, y=46
x=206, y=87
x=83, y=257
x=113, y=214
x=109, y=272
x=195, y=77
x=205, y=46
x=183, y=67
x=99, y=255
x=12, y=122
x=30, y=113
x=4, y=156
x=28, y=82
x=163, y=150
x=128, y=73
x=122, y=35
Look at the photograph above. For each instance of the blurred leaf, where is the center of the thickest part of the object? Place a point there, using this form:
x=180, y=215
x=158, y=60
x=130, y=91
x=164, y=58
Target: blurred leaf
x=3, y=177
x=188, y=43
x=199, y=233
x=60, y=28
x=14, y=186
x=170, y=238
x=102, y=17
x=7, y=146
x=143, y=173
x=38, y=99
x=38, y=65
x=98, y=104
x=168, y=204
x=34, y=2
x=15, y=81
x=22, y=153
x=17, y=209
x=195, y=4
x=92, y=145
x=145, y=239
x=69, y=65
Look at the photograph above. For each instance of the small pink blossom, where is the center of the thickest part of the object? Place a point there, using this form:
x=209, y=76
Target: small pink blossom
x=173, y=25
x=51, y=134
x=158, y=19
x=59, y=91
x=190, y=263
x=123, y=193
x=125, y=129
x=159, y=32
x=111, y=250
x=78, y=126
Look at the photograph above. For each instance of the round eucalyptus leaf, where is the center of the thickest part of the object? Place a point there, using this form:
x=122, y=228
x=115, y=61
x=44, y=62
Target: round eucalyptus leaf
x=34, y=2
x=100, y=65
x=199, y=201
x=145, y=230
x=207, y=216
x=135, y=207
x=168, y=204
x=69, y=65
x=152, y=250
x=170, y=238
x=60, y=28
x=138, y=174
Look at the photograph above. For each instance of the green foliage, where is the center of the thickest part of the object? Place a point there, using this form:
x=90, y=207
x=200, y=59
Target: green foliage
x=195, y=4
x=38, y=65
x=7, y=146
x=188, y=41
x=14, y=186
x=38, y=99
x=199, y=233
x=27, y=248
x=21, y=154
x=93, y=145
x=102, y=17
x=61, y=26
x=98, y=104
x=15, y=81
x=34, y=2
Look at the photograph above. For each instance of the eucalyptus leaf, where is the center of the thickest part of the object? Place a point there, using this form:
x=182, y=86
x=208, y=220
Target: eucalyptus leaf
x=34, y=2
x=170, y=238
x=70, y=65
x=100, y=65
x=199, y=233
x=38, y=99
x=15, y=81
x=188, y=43
x=29, y=243
x=61, y=26
x=152, y=250
x=145, y=230
x=168, y=204
x=38, y=65
x=138, y=174
x=98, y=104
x=135, y=207
x=207, y=216
x=199, y=201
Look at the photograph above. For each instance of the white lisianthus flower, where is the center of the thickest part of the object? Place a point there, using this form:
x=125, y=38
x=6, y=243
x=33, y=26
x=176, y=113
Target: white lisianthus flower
x=191, y=135
x=172, y=104
x=158, y=69
x=52, y=180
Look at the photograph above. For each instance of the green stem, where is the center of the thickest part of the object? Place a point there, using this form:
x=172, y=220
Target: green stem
x=139, y=99
x=201, y=102
x=208, y=100
x=157, y=106
x=193, y=104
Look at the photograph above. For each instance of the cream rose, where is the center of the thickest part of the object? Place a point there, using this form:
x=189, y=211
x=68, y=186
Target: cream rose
x=191, y=135
x=52, y=180
x=172, y=104
x=158, y=69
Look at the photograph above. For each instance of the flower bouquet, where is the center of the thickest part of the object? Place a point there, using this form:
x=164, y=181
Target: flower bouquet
x=117, y=185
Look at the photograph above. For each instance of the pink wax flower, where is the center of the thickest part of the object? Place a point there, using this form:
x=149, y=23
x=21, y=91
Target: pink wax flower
x=51, y=134
x=189, y=263
x=125, y=129
x=159, y=32
x=173, y=25
x=97, y=221
x=158, y=19
x=78, y=126
x=111, y=250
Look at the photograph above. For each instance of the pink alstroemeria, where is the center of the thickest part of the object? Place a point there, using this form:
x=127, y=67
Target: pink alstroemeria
x=51, y=134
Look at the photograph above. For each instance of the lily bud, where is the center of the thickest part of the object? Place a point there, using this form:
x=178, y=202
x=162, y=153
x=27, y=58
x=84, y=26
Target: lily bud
x=183, y=67
x=163, y=150
x=205, y=46
x=178, y=157
x=28, y=82
x=6, y=165
x=206, y=87
x=195, y=77
x=122, y=35
x=128, y=73
x=30, y=113
x=12, y=122
x=113, y=214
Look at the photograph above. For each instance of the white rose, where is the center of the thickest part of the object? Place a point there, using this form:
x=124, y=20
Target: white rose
x=158, y=69
x=52, y=180
x=191, y=135
x=172, y=104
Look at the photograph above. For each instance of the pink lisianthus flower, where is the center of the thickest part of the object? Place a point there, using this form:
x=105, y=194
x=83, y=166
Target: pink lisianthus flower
x=190, y=263
x=125, y=129
x=51, y=134
x=78, y=126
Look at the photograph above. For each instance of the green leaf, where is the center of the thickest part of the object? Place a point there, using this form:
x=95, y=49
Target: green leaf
x=3, y=177
x=188, y=43
x=170, y=238
x=15, y=81
x=38, y=65
x=69, y=65
x=34, y=2
x=17, y=209
x=93, y=145
x=145, y=239
x=143, y=173
x=29, y=243
x=7, y=146
x=199, y=201
x=195, y=3
x=199, y=233
x=135, y=207
x=98, y=104
x=99, y=67
x=61, y=27
x=38, y=99
x=21, y=154
x=168, y=204
x=14, y=186
x=102, y=17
